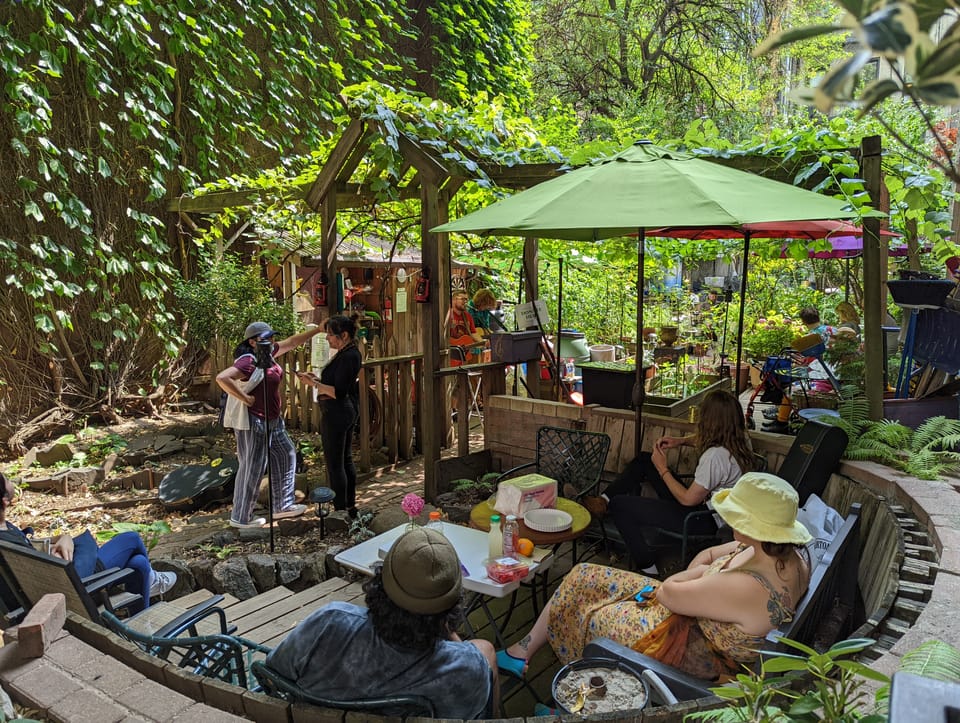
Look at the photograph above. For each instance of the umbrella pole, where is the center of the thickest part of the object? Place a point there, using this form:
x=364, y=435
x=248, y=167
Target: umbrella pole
x=560, y=333
x=743, y=298
x=638, y=382
x=846, y=285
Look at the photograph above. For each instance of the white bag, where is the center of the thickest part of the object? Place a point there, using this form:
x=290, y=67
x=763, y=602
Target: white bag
x=823, y=522
x=236, y=414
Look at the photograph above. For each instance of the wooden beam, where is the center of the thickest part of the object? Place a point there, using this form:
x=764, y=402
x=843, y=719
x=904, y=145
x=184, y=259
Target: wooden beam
x=428, y=167
x=344, y=150
x=874, y=284
x=435, y=255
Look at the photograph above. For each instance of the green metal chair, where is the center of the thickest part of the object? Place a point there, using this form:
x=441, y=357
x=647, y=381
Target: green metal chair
x=573, y=457
x=272, y=683
x=221, y=656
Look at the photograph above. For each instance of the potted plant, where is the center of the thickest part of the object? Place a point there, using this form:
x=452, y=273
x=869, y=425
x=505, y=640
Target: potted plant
x=768, y=336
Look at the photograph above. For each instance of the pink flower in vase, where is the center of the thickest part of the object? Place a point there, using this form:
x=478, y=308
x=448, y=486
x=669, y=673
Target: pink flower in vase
x=412, y=504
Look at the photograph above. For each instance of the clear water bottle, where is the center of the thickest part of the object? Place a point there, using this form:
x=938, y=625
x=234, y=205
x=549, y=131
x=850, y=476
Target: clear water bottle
x=495, y=539
x=571, y=369
x=435, y=523
x=511, y=537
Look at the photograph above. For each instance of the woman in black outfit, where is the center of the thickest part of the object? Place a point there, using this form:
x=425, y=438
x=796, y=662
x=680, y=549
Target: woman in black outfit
x=339, y=393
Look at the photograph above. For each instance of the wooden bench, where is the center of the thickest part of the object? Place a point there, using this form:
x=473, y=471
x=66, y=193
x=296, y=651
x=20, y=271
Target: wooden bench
x=833, y=589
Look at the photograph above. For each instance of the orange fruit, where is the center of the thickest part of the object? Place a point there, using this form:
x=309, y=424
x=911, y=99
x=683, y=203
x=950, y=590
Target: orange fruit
x=525, y=547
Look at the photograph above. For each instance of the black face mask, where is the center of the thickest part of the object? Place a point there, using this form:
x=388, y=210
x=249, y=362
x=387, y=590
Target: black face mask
x=264, y=354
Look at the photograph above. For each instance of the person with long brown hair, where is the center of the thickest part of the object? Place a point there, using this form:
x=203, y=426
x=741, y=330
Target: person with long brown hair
x=724, y=454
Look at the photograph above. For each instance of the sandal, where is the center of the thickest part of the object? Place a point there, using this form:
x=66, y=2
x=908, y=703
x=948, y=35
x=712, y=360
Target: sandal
x=515, y=666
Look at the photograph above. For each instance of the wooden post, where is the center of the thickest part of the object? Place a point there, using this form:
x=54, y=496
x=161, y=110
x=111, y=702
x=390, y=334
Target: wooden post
x=433, y=404
x=874, y=279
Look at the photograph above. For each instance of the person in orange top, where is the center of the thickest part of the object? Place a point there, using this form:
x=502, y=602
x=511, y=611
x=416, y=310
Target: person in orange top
x=461, y=330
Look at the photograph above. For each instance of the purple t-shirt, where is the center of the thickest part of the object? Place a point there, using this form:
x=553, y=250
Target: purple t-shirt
x=273, y=378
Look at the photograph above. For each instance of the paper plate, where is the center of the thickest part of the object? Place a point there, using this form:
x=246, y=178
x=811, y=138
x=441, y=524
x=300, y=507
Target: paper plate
x=548, y=520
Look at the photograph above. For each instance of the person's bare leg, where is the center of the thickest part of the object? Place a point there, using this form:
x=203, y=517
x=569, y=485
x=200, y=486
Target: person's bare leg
x=488, y=651
x=526, y=647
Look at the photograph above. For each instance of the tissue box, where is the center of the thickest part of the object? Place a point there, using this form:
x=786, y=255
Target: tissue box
x=531, y=492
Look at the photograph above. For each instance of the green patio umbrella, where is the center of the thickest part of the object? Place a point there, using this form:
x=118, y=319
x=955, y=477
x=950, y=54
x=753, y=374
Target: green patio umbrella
x=648, y=187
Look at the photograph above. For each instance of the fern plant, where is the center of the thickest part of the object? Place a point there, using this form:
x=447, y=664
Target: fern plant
x=927, y=453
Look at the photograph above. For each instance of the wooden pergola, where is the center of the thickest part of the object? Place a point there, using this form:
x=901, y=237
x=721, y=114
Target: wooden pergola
x=433, y=180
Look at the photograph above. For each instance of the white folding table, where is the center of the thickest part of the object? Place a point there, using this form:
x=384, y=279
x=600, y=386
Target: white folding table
x=471, y=547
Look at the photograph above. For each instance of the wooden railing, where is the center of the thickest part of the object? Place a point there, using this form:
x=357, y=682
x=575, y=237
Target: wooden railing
x=390, y=417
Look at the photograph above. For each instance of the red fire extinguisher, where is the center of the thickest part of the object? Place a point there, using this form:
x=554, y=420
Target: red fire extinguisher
x=388, y=310
x=422, y=292
x=320, y=293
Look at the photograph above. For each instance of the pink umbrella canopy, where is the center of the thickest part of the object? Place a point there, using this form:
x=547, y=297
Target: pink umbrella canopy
x=811, y=230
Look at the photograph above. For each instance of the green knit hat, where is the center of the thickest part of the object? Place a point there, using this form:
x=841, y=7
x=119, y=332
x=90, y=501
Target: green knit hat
x=421, y=573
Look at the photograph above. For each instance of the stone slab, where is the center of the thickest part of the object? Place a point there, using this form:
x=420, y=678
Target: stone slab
x=86, y=706
x=154, y=701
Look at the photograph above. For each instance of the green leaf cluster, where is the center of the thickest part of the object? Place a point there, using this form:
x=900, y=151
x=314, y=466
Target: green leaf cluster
x=929, y=452
x=109, y=109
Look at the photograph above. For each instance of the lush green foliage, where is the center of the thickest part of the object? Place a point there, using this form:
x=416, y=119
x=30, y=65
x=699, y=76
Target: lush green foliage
x=110, y=109
x=929, y=452
x=229, y=295
x=920, y=61
x=835, y=692
x=650, y=68
x=151, y=532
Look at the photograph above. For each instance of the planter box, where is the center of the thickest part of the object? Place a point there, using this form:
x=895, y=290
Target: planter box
x=914, y=412
x=515, y=346
x=672, y=407
x=920, y=293
x=610, y=384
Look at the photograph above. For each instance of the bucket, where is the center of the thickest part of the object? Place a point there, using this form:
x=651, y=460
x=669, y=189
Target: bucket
x=573, y=344
x=603, y=352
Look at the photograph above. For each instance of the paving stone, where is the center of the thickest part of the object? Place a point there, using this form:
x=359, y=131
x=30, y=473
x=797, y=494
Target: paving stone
x=154, y=701
x=44, y=686
x=72, y=654
x=200, y=713
x=264, y=707
x=12, y=665
x=87, y=706
x=223, y=696
x=109, y=675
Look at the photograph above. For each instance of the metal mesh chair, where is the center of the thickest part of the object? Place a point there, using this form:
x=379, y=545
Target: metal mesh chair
x=272, y=683
x=220, y=656
x=657, y=537
x=573, y=457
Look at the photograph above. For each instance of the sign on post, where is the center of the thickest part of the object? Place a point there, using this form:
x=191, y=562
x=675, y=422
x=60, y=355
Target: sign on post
x=527, y=318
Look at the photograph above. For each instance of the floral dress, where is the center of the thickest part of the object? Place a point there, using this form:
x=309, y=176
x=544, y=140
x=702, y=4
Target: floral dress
x=595, y=601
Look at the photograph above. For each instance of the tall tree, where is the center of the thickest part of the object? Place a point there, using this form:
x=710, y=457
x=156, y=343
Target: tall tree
x=666, y=61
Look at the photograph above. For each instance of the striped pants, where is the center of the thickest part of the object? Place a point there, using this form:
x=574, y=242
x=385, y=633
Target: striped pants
x=252, y=458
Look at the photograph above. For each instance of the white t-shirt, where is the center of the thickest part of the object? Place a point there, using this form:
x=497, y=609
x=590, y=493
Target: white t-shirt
x=716, y=469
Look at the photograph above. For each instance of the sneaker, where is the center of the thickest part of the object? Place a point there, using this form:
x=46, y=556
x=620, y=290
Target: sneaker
x=162, y=583
x=291, y=511
x=254, y=523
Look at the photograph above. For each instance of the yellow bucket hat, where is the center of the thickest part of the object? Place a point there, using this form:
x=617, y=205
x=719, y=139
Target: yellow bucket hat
x=764, y=507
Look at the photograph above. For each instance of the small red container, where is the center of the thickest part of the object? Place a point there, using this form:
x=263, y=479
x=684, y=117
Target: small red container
x=505, y=570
